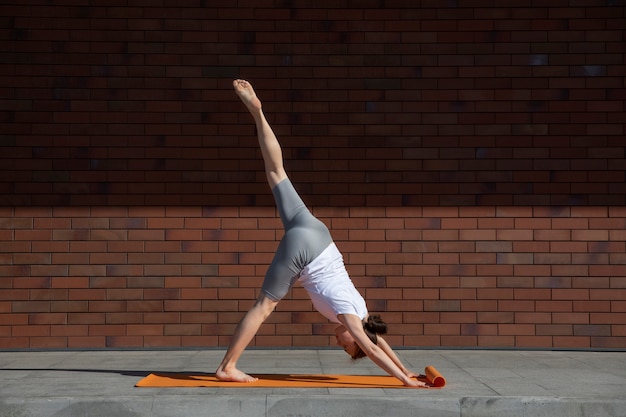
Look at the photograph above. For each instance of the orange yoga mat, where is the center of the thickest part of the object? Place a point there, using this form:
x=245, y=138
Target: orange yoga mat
x=160, y=380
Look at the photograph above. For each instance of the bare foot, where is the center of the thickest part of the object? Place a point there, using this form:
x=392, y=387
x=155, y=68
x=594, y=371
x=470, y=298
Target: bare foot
x=234, y=375
x=247, y=95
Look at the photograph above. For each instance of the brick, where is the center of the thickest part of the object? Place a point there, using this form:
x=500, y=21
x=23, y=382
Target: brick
x=65, y=330
x=30, y=306
x=515, y=258
x=613, y=318
x=554, y=306
x=435, y=305
x=532, y=223
x=533, y=341
x=48, y=342
x=497, y=341
x=418, y=247
x=478, y=282
x=123, y=270
x=495, y=317
x=477, y=258
x=24, y=282
x=591, y=306
x=456, y=247
x=553, y=282
x=458, y=340
x=439, y=235
x=494, y=246
x=533, y=317
x=120, y=246
x=78, y=247
x=607, y=342
x=595, y=330
x=551, y=235
x=518, y=305
x=46, y=318
x=604, y=247
x=69, y=306
x=471, y=329
x=617, y=282
x=590, y=282
x=516, y=329
x=496, y=223
x=86, y=342
x=532, y=270
x=442, y=329
x=441, y=258
x=570, y=294
x=48, y=294
x=422, y=223
x=575, y=341
x=533, y=294
x=568, y=246
x=552, y=258
x=554, y=330
x=599, y=235
x=569, y=270
x=475, y=235
x=440, y=282
x=574, y=318
x=124, y=294
x=161, y=341
x=494, y=270
x=479, y=305
x=514, y=235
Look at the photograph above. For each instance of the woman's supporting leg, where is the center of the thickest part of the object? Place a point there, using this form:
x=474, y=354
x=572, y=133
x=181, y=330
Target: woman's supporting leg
x=246, y=330
x=270, y=148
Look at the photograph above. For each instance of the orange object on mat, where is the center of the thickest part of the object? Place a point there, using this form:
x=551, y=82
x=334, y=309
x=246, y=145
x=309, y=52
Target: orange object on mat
x=432, y=377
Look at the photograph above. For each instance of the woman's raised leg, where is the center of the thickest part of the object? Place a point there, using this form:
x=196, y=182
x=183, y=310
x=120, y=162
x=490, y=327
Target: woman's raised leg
x=270, y=148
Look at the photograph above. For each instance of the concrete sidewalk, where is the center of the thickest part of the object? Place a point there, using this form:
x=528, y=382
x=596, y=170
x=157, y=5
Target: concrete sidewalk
x=480, y=383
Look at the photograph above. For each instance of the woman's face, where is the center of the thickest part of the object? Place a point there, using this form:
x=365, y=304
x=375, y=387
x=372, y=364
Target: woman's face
x=345, y=340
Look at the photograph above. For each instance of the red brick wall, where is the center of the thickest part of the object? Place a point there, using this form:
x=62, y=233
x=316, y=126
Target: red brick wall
x=469, y=160
x=443, y=276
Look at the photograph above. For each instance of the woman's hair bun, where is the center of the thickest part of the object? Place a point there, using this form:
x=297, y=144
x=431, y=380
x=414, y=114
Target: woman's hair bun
x=375, y=325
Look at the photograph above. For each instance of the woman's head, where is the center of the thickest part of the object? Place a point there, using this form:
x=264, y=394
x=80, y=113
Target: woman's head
x=372, y=327
x=345, y=340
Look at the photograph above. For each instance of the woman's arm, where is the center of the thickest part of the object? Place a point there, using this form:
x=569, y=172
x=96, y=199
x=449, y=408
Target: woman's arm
x=375, y=353
x=382, y=343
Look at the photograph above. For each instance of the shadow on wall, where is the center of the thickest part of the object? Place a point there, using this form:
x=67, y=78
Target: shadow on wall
x=432, y=103
x=399, y=171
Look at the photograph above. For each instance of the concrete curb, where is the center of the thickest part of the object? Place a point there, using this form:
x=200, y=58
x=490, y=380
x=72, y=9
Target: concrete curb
x=480, y=384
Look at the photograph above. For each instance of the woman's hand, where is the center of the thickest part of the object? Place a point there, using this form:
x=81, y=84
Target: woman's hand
x=411, y=374
x=416, y=383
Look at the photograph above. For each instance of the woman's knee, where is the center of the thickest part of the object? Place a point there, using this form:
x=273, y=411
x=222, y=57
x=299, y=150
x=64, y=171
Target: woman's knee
x=265, y=304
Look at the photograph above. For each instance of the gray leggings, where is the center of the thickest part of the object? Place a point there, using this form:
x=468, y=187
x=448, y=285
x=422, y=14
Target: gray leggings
x=304, y=240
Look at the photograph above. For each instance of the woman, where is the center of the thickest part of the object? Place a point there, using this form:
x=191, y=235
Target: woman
x=306, y=253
